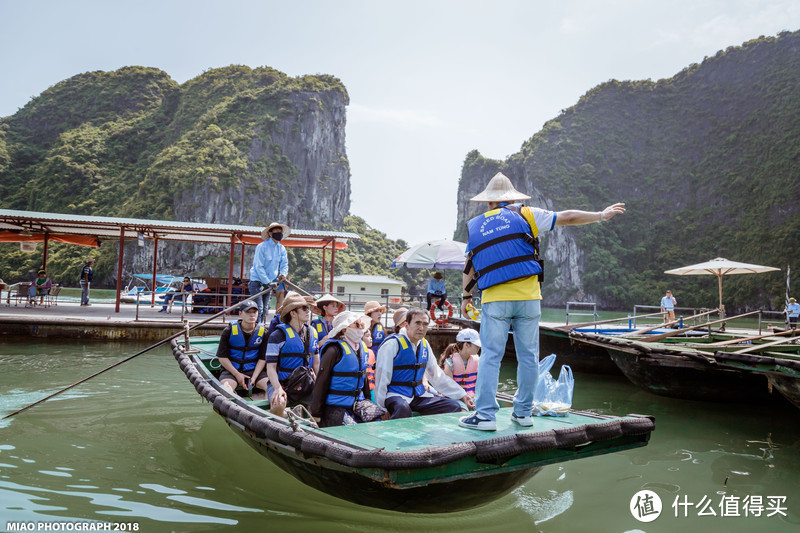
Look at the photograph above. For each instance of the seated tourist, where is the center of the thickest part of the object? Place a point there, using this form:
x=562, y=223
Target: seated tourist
x=292, y=345
x=402, y=361
x=39, y=288
x=374, y=310
x=460, y=359
x=399, y=319
x=180, y=296
x=242, y=351
x=367, y=342
x=341, y=393
x=327, y=307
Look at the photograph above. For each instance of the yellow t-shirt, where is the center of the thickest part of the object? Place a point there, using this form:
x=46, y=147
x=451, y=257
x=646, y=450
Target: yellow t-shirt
x=527, y=288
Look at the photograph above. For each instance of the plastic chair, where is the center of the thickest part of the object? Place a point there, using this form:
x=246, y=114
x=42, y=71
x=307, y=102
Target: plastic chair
x=52, y=296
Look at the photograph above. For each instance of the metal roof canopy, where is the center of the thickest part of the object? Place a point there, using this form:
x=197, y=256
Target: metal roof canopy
x=108, y=228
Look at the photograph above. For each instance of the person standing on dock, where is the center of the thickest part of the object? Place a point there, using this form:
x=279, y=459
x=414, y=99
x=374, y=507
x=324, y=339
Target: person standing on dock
x=793, y=312
x=86, y=280
x=668, y=303
x=503, y=260
x=270, y=265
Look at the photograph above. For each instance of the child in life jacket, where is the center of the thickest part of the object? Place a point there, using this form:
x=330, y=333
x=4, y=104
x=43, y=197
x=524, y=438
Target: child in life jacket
x=460, y=359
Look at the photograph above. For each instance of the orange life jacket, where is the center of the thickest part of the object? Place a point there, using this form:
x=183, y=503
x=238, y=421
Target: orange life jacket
x=466, y=377
x=370, y=366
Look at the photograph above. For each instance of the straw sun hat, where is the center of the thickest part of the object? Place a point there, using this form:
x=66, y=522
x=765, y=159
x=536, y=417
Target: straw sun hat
x=328, y=298
x=400, y=316
x=499, y=189
x=265, y=232
x=344, y=319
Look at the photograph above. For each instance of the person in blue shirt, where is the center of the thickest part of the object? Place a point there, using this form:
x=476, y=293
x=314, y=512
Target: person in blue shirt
x=270, y=265
x=793, y=312
x=437, y=290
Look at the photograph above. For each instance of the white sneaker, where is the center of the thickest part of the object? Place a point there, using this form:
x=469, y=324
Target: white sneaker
x=524, y=421
x=473, y=421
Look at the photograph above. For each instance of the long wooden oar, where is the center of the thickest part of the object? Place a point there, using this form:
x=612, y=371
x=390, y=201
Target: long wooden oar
x=294, y=287
x=606, y=321
x=137, y=354
x=744, y=339
x=756, y=347
x=653, y=338
x=648, y=329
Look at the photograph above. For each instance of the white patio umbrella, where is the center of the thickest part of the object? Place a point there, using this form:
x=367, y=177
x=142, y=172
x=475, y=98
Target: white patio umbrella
x=719, y=267
x=443, y=254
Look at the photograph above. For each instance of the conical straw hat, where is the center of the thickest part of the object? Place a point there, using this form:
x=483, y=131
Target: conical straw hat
x=499, y=189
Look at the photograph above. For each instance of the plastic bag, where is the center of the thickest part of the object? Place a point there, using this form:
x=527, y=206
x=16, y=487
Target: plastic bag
x=553, y=397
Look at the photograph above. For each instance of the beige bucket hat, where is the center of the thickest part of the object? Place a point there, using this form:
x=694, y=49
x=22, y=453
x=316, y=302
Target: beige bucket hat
x=328, y=298
x=499, y=189
x=371, y=307
x=400, y=316
x=292, y=301
x=286, y=230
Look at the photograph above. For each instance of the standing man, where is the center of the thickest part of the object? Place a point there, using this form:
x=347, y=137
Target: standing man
x=668, y=303
x=270, y=264
x=86, y=280
x=401, y=363
x=793, y=312
x=503, y=259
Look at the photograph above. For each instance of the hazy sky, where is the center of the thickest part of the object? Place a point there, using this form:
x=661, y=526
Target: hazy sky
x=428, y=80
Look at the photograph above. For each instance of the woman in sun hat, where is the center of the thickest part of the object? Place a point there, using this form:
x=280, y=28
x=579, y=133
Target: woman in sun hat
x=374, y=310
x=327, y=307
x=341, y=393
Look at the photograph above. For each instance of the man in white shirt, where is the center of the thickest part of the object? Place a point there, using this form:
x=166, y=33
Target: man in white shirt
x=400, y=365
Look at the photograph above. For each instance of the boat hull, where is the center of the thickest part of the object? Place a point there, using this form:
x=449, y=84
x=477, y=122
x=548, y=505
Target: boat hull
x=788, y=386
x=679, y=376
x=436, y=497
x=579, y=356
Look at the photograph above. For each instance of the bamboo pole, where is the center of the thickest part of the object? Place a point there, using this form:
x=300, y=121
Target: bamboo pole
x=653, y=338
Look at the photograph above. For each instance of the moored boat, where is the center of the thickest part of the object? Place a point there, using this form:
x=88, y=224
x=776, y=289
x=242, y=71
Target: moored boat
x=418, y=464
x=679, y=371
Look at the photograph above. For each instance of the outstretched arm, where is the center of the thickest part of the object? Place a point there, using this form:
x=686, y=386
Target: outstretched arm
x=574, y=217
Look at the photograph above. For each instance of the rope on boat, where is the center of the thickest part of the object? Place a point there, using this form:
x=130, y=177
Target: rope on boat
x=491, y=450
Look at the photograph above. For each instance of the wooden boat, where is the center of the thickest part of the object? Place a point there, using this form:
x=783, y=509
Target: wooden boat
x=419, y=464
x=782, y=369
x=678, y=371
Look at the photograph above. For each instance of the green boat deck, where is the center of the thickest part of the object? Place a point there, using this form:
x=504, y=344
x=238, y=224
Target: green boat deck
x=420, y=432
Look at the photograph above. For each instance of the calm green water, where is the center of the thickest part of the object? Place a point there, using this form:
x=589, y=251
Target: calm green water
x=136, y=445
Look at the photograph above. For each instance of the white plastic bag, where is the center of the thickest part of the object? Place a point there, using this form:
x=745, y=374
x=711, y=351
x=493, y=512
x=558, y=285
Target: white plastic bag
x=553, y=397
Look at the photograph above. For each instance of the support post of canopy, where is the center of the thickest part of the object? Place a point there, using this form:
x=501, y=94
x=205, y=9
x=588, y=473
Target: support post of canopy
x=333, y=261
x=119, y=265
x=322, y=286
x=230, y=270
x=155, y=273
x=241, y=270
x=44, y=255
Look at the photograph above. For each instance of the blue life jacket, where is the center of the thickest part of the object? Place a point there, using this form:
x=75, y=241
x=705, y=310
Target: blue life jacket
x=322, y=326
x=245, y=356
x=347, y=376
x=503, y=247
x=409, y=367
x=294, y=352
x=378, y=336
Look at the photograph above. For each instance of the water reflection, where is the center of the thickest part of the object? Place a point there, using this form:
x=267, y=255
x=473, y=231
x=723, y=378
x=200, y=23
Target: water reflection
x=138, y=444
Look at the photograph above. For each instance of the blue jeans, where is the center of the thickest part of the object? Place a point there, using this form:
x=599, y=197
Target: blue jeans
x=84, y=292
x=496, y=317
x=262, y=301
